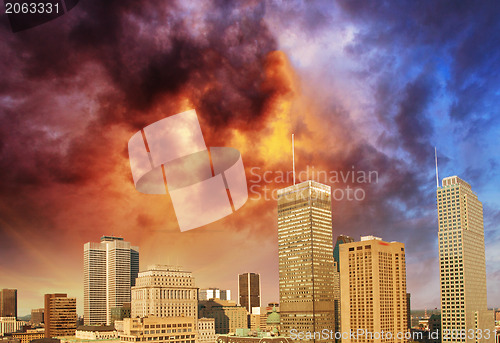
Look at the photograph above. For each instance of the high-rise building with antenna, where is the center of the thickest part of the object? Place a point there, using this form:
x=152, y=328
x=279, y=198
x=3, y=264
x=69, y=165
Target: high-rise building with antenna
x=306, y=268
x=464, y=314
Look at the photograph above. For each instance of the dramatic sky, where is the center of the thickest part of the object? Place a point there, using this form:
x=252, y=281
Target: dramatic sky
x=364, y=86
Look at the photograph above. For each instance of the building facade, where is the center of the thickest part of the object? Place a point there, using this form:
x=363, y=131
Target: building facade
x=159, y=330
x=9, y=325
x=306, y=266
x=249, y=290
x=110, y=270
x=29, y=335
x=164, y=291
x=93, y=333
x=37, y=316
x=253, y=339
x=121, y=312
x=59, y=315
x=206, y=330
x=8, y=303
x=462, y=264
x=373, y=290
x=227, y=314
x=214, y=293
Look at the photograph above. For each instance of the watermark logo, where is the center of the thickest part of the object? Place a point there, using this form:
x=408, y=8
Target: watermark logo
x=205, y=184
x=347, y=185
x=25, y=14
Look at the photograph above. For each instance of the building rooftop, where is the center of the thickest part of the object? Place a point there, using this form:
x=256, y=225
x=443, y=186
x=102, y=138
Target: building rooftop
x=274, y=317
x=111, y=238
x=370, y=238
x=94, y=328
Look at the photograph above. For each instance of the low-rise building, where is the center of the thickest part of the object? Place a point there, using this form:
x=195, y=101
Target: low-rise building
x=158, y=330
x=91, y=332
x=227, y=314
x=206, y=330
x=29, y=335
x=263, y=337
x=10, y=324
x=73, y=339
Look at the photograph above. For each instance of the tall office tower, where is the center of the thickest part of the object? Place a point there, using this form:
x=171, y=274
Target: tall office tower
x=341, y=239
x=462, y=262
x=59, y=315
x=164, y=291
x=214, y=293
x=373, y=290
x=8, y=303
x=306, y=268
x=110, y=270
x=249, y=290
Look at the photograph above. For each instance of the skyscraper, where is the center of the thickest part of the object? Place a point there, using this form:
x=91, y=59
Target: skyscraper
x=306, y=268
x=59, y=315
x=164, y=291
x=110, y=270
x=8, y=303
x=373, y=290
x=249, y=290
x=462, y=264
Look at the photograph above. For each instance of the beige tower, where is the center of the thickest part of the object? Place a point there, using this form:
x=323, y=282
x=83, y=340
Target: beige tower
x=306, y=269
x=165, y=291
x=110, y=269
x=462, y=265
x=373, y=291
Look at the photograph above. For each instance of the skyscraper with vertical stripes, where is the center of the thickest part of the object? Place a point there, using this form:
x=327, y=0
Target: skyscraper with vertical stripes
x=306, y=268
x=462, y=267
x=249, y=290
x=110, y=269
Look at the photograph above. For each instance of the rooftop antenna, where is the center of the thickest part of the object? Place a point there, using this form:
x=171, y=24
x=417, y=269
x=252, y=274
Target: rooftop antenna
x=293, y=160
x=437, y=175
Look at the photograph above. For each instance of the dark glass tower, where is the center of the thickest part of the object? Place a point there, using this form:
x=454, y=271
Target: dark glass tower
x=249, y=290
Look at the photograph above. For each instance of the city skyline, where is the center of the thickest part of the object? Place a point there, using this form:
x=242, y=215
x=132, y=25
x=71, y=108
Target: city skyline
x=363, y=88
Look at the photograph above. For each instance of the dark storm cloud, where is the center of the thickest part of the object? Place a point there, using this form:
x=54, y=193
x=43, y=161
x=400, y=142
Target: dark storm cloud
x=414, y=126
x=459, y=33
x=220, y=66
x=150, y=52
